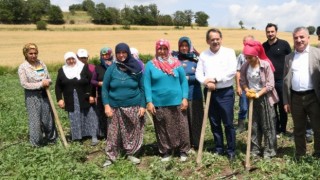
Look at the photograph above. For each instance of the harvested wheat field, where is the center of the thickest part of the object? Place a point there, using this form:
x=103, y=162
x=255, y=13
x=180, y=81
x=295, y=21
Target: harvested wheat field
x=60, y=39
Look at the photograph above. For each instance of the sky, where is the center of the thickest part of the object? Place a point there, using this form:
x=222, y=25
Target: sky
x=287, y=14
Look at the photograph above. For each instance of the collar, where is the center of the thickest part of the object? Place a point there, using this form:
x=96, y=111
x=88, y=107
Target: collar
x=307, y=50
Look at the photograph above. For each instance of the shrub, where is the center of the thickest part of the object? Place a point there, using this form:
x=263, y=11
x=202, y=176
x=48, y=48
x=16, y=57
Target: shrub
x=41, y=25
x=72, y=21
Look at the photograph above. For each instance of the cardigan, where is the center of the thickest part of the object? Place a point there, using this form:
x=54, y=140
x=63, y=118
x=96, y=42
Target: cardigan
x=64, y=89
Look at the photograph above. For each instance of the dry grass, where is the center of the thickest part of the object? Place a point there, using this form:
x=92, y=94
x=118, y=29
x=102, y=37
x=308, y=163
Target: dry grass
x=60, y=39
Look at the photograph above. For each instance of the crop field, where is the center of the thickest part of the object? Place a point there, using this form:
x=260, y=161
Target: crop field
x=19, y=160
x=57, y=40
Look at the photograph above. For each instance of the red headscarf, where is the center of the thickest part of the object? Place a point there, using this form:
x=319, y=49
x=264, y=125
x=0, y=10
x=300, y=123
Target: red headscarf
x=168, y=63
x=255, y=48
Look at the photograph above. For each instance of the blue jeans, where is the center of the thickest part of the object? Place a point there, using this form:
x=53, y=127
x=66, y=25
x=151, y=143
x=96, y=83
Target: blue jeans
x=243, y=106
x=221, y=111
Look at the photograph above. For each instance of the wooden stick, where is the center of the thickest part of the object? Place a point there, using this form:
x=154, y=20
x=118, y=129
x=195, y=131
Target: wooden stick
x=247, y=163
x=204, y=123
x=56, y=119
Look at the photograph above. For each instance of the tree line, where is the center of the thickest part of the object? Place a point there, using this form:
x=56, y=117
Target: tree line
x=32, y=11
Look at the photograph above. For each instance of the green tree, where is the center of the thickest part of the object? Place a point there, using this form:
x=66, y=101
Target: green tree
x=180, y=19
x=189, y=15
x=38, y=8
x=101, y=15
x=165, y=20
x=311, y=29
x=127, y=15
x=241, y=24
x=89, y=6
x=14, y=12
x=55, y=15
x=114, y=15
x=201, y=18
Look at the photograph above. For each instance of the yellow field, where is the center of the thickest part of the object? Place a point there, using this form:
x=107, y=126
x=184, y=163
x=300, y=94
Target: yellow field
x=60, y=39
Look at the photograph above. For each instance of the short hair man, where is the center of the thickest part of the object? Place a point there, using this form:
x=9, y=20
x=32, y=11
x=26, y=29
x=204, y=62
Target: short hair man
x=216, y=70
x=276, y=49
x=301, y=91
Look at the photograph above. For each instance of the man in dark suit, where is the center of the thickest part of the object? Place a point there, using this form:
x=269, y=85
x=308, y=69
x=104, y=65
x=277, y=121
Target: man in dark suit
x=301, y=90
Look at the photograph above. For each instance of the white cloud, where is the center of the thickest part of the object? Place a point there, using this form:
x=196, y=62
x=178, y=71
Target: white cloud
x=287, y=15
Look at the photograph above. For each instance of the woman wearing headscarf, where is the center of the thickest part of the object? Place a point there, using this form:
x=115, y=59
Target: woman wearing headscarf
x=166, y=89
x=106, y=60
x=256, y=79
x=188, y=57
x=124, y=102
x=34, y=78
x=73, y=92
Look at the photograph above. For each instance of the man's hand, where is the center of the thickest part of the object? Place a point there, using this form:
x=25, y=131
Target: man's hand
x=287, y=108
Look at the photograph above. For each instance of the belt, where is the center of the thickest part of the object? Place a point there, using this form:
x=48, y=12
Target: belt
x=302, y=93
x=222, y=89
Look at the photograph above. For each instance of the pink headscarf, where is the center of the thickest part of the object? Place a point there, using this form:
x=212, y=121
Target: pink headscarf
x=255, y=48
x=168, y=63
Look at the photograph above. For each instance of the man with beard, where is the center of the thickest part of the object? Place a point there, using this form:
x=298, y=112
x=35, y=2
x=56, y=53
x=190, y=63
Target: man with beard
x=216, y=70
x=276, y=49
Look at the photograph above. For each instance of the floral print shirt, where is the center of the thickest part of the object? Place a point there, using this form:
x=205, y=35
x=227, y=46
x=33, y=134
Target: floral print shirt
x=31, y=77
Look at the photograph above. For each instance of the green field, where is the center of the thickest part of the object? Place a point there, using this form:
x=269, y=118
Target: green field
x=18, y=160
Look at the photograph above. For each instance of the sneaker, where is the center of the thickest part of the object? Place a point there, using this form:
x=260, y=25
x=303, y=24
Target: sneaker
x=165, y=158
x=183, y=157
x=191, y=151
x=94, y=143
x=107, y=163
x=134, y=160
x=278, y=136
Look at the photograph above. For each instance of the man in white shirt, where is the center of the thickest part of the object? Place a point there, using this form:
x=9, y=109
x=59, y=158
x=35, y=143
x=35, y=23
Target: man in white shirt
x=301, y=90
x=215, y=70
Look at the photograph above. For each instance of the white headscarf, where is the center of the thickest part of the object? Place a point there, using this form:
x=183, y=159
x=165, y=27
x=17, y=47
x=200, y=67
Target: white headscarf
x=72, y=71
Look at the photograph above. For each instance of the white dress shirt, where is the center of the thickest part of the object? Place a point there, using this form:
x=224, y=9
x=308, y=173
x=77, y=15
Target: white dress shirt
x=301, y=78
x=221, y=66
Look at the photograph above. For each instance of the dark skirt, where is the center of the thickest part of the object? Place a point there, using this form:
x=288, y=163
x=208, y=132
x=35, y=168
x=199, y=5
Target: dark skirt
x=195, y=119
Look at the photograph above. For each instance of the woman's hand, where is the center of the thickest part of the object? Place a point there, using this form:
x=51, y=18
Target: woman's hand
x=184, y=104
x=141, y=112
x=45, y=83
x=151, y=108
x=108, y=111
x=100, y=83
x=61, y=104
x=91, y=100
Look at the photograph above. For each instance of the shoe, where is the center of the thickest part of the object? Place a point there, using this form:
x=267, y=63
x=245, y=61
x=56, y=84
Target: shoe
x=166, y=158
x=94, y=143
x=241, y=127
x=107, y=163
x=278, y=136
x=309, y=139
x=183, y=157
x=191, y=151
x=134, y=160
x=231, y=157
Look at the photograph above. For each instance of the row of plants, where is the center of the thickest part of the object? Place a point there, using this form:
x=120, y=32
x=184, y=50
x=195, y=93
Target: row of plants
x=19, y=160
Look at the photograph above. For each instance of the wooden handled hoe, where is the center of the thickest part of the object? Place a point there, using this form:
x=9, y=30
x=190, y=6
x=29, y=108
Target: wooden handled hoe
x=56, y=119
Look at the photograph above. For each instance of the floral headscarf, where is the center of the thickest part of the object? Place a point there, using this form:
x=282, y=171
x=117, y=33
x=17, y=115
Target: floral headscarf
x=168, y=63
x=105, y=50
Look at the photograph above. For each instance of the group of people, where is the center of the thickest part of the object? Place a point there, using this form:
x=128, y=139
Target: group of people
x=110, y=99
